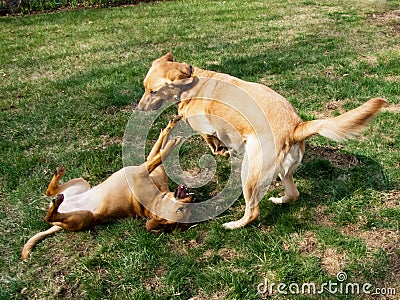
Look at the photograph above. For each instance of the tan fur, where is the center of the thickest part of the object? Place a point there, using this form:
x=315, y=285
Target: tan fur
x=343, y=127
x=78, y=206
x=268, y=127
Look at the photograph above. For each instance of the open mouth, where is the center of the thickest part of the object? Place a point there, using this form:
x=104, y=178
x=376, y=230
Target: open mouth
x=181, y=192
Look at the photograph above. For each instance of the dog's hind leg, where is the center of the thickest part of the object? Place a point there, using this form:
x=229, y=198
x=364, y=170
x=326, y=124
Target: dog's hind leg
x=56, y=202
x=291, y=192
x=79, y=185
x=72, y=221
x=290, y=164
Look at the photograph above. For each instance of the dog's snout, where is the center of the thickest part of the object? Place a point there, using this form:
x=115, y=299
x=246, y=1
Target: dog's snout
x=141, y=105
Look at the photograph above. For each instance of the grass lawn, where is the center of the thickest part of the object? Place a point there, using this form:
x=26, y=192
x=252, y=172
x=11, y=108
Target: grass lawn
x=69, y=82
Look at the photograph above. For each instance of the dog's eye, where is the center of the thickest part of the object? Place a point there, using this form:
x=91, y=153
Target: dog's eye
x=180, y=210
x=153, y=92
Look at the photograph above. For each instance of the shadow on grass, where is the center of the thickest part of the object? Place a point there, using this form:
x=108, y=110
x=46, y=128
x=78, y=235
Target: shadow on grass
x=331, y=178
x=305, y=50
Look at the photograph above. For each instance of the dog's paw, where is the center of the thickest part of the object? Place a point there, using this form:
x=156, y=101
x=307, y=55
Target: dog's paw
x=59, y=171
x=283, y=200
x=173, y=122
x=232, y=225
x=277, y=200
x=175, y=119
x=223, y=152
x=58, y=200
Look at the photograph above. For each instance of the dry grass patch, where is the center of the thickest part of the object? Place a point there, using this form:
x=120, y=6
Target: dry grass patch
x=331, y=108
x=321, y=217
x=228, y=254
x=390, y=18
x=107, y=141
x=395, y=273
x=216, y=296
x=183, y=247
x=155, y=282
x=306, y=244
x=371, y=60
x=391, y=199
x=374, y=239
x=333, y=262
x=333, y=154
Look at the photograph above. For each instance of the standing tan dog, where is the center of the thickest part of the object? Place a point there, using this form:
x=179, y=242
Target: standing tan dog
x=77, y=206
x=273, y=140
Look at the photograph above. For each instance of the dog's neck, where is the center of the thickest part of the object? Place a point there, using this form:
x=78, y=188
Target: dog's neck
x=201, y=73
x=203, y=84
x=150, y=198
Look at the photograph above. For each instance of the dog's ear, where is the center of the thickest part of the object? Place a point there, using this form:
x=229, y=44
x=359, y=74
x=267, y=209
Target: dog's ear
x=165, y=57
x=180, y=75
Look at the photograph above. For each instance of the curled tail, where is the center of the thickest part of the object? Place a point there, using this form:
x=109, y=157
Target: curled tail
x=343, y=127
x=37, y=238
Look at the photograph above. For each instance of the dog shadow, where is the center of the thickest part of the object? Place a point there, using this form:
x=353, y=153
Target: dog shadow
x=326, y=176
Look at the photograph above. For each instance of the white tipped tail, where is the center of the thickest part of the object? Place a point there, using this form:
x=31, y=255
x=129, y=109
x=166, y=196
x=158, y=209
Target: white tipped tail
x=343, y=127
x=36, y=239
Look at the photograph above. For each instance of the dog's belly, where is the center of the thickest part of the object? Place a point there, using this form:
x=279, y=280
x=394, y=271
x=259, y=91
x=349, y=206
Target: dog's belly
x=216, y=126
x=85, y=201
x=110, y=192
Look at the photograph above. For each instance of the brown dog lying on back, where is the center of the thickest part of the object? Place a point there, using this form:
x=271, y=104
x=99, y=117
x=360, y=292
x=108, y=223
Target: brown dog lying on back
x=234, y=115
x=77, y=206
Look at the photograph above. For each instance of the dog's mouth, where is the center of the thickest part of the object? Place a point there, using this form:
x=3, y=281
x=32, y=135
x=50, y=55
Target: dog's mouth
x=181, y=192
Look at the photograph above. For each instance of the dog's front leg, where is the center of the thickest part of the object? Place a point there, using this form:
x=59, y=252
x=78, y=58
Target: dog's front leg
x=163, y=137
x=54, y=187
x=256, y=174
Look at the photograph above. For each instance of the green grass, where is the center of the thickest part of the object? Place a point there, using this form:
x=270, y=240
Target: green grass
x=68, y=84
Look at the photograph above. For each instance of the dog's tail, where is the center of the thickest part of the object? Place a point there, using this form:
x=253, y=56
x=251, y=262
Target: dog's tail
x=343, y=127
x=37, y=238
